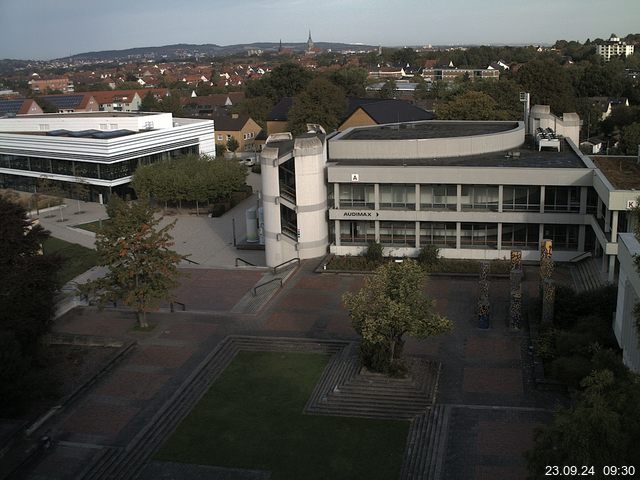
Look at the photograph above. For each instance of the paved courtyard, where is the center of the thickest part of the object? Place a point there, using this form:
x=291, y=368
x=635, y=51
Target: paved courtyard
x=485, y=380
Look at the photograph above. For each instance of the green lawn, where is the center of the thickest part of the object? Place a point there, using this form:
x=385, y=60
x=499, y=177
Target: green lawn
x=252, y=418
x=92, y=226
x=76, y=258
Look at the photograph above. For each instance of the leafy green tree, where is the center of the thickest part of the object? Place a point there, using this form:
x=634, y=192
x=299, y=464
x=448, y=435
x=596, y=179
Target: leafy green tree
x=172, y=103
x=287, y=80
x=389, y=89
x=404, y=57
x=27, y=300
x=142, y=269
x=549, y=84
x=232, y=144
x=391, y=304
x=149, y=103
x=255, y=107
x=321, y=102
x=630, y=140
x=352, y=80
x=46, y=105
x=470, y=105
x=601, y=429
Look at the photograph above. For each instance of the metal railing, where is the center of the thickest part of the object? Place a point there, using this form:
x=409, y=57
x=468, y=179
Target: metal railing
x=275, y=269
x=244, y=261
x=184, y=307
x=190, y=261
x=255, y=289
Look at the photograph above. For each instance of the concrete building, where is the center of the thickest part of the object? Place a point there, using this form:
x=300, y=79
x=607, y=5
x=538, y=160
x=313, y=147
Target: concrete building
x=624, y=325
x=474, y=189
x=614, y=47
x=101, y=150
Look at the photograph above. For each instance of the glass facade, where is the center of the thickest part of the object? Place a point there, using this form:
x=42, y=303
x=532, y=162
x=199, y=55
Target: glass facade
x=398, y=196
x=357, y=232
x=562, y=199
x=438, y=197
x=564, y=237
x=353, y=195
x=90, y=170
x=479, y=235
x=523, y=236
x=479, y=197
x=521, y=198
x=438, y=234
x=398, y=234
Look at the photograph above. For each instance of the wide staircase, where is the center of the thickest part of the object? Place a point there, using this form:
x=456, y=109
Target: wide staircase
x=586, y=275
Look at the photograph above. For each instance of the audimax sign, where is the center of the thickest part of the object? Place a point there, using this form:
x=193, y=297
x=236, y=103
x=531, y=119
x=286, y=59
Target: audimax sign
x=360, y=214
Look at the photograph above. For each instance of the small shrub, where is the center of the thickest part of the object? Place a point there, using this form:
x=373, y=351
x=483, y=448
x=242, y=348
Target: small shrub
x=571, y=370
x=375, y=252
x=375, y=356
x=428, y=256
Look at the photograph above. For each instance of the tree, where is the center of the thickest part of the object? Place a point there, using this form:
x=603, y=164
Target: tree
x=142, y=269
x=321, y=102
x=391, y=304
x=149, y=103
x=549, y=84
x=232, y=145
x=27, y=300
x=601, y=429
x=389, y=89
x=470, y=105
x=80, y=190
x=630, y=140
x=172, y=103
x=352, y=80
x=288, y=80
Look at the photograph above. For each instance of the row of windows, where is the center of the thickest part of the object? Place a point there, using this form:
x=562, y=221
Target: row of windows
x=472, y=235
x=103, y=171
x=473, y=197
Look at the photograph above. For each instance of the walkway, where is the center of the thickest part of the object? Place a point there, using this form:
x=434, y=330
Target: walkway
x=486, y=408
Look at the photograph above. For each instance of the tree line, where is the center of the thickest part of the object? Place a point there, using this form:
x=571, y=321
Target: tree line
x=189, y=178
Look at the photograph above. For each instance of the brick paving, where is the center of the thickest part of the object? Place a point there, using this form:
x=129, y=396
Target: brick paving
x=484, y=377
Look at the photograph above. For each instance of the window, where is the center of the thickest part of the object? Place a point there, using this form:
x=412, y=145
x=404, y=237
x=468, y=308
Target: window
x=521, y=198
x=438, y=234
x=220, y=137
x=520, y=236
x=438, y=197
x=398, y=196
x=289, y=222
x=479, y=197
x=357, y=232
x=564, y=237
x=398, y=234
x=479, y=235
x=103, y=126
x=228, y=137
x=113, y=126
x=357, y=195
x=562, y=199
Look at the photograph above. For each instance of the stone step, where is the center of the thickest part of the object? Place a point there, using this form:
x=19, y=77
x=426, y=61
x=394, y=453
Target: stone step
x=366, y=412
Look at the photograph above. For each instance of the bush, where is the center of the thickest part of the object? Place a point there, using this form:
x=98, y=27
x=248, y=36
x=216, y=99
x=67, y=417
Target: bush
x=376, y=357
x=256, y=169
x=571, y=370
x=375, y=252
x=429, y=255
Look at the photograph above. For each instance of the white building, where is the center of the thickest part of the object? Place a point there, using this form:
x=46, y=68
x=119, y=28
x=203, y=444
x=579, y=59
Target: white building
x=624, y=325
x=102, y=150
x=614, y=48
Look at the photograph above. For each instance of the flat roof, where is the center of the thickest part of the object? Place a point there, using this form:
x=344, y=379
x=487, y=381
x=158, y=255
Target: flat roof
x=428, y=129
x=622, y=171
x=526, y=157
x=90, y=114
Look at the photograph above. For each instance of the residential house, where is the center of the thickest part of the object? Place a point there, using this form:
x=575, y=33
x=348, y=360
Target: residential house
x=363, y=112
x=62, y=84
x=607, y=104
x=19, y=106
x=73, y=103
x=241, y=127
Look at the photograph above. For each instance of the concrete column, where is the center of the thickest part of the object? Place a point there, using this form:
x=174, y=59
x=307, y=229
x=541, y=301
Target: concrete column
x=612, y=268
x=582, y=232
x=336, y=195
x=541, y=201
x=376, y=196
x=459, y=203
x=540, y=234
x=500, y=227
x=458, y=227
x=500, y=197
x=417, y=234
x=603, y=267
x=336, y=224
x=607, y=221
x=377, y=231
x=614, y=226
x=583, y=200
x=417, y=196
x=599, y=208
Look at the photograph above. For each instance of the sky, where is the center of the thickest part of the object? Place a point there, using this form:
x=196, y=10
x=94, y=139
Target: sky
x=47, y=29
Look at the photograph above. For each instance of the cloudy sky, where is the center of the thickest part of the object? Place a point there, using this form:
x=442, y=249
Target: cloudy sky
x=45, y=29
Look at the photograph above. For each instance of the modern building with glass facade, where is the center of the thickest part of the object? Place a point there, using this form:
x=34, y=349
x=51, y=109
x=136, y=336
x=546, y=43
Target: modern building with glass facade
x=100, y=150
x=473, y=189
